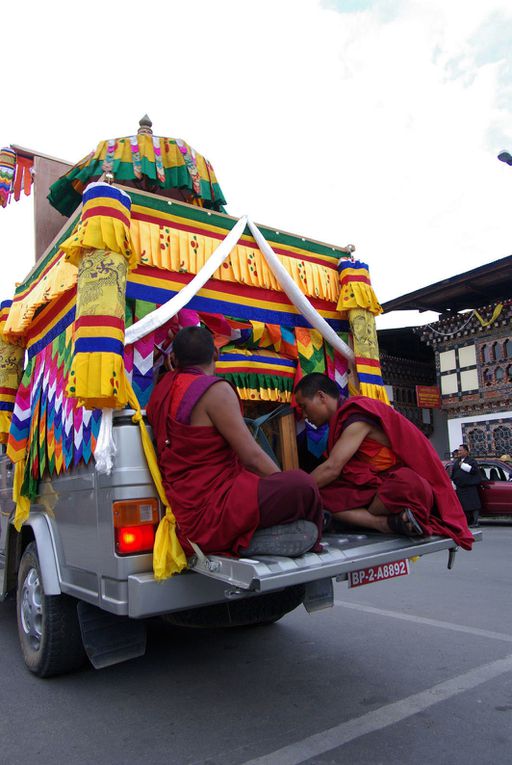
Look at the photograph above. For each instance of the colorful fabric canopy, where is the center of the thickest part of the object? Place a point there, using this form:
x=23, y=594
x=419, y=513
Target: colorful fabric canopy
x=148, y=161
x=172, y=242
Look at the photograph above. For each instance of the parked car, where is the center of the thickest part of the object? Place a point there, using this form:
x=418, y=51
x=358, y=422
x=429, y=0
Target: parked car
x=496, y=490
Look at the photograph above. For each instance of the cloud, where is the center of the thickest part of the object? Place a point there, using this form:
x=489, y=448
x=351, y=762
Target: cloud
x=385, y=10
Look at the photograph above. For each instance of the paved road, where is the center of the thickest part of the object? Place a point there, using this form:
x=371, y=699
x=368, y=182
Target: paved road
x=417, y=670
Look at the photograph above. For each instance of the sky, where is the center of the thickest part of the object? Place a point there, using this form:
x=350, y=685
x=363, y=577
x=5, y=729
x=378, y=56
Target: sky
x=370, y=122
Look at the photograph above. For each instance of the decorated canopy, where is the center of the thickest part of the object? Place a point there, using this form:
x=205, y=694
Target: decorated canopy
x=167, y=166
x=132, y=267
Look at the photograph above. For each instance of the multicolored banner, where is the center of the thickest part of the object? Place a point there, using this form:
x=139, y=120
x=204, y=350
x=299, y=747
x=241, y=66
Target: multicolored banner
x=102, y=249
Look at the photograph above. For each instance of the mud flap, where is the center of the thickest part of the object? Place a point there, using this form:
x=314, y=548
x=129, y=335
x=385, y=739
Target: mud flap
x=319, y=595
x=109, y=639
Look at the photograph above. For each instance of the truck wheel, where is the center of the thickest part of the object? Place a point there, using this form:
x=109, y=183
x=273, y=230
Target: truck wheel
x=48, y=626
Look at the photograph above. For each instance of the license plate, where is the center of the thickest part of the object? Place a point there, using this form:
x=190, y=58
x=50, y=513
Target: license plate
x=378, y=573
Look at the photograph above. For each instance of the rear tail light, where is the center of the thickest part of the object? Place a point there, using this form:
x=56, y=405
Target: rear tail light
x=135, y=523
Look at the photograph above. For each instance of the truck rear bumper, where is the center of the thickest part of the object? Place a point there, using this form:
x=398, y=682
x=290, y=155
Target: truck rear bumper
x=147, y=597
x=224, y=578
x=341, y=555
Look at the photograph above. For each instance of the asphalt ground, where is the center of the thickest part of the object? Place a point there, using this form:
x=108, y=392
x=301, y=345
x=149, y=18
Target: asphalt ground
x=413, y=670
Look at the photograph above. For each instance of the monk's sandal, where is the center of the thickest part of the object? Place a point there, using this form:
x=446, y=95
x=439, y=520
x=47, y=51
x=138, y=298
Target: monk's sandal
x=289, y=539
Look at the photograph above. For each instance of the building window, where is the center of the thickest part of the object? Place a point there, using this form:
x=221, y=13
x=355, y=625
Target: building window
x=497, y=351
x=487, y=377
x=486, y=354
x=467, y=356
x=447, y=361
x=508, y=349
x=449, y=384
x=469, y=380
x=509, y=373
x=477, y=441
x=500, y=375
x=502, y=437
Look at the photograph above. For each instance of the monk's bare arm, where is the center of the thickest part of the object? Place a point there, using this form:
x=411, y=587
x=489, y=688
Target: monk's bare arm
x=344, y=448
x=223, y=409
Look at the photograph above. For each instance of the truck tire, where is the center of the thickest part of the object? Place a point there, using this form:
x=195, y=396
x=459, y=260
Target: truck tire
x=48, y=627
x=254, y=611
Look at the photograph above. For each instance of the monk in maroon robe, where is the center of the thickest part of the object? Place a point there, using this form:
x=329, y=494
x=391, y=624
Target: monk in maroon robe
x=381, y=472
x=222, y=487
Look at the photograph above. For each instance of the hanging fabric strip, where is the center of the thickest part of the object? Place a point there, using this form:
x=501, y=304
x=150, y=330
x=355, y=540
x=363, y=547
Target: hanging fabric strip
x=108, y=162
x=495, y=314
x=22, y=503
x=23, y=178
x=160, y=172
x=168, y=555
x=7, y=169
x=296, y=296
x=137, y=167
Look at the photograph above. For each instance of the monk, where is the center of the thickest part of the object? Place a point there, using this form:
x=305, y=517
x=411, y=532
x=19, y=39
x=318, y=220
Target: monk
x=381, y=472
x=227, y=494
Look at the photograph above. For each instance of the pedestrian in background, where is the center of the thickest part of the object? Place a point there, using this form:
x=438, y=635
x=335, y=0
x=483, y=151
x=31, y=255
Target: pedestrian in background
x=467, y=477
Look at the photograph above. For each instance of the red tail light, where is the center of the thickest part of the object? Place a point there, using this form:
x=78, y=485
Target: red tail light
x=135, y=539
x=135, y=523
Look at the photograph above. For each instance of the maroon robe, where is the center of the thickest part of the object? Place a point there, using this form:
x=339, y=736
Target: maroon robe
x=418, y=480
x=217, y=502
x=214, y=498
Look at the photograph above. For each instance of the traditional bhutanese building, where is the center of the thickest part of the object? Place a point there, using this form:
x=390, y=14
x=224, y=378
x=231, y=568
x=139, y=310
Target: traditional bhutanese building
x=472, y=345
x=406, y=362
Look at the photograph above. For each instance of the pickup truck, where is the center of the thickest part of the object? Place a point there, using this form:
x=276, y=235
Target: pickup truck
x=81, y=592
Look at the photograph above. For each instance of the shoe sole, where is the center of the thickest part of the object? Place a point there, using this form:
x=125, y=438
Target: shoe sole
x=290, y=540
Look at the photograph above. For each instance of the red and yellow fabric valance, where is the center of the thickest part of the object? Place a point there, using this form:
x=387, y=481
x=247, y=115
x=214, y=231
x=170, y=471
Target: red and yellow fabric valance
x=258, y=375
x=178, y=239
x=356, y=290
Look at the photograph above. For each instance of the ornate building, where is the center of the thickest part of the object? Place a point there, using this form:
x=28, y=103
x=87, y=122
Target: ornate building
x=472, y=344
x=474, y=369
x=406, y=363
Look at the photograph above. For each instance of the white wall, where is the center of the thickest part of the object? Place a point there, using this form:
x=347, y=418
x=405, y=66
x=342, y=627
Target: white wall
x=455, y=425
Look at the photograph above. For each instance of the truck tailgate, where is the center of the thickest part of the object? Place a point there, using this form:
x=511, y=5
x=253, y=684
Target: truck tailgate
x=342, y=554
